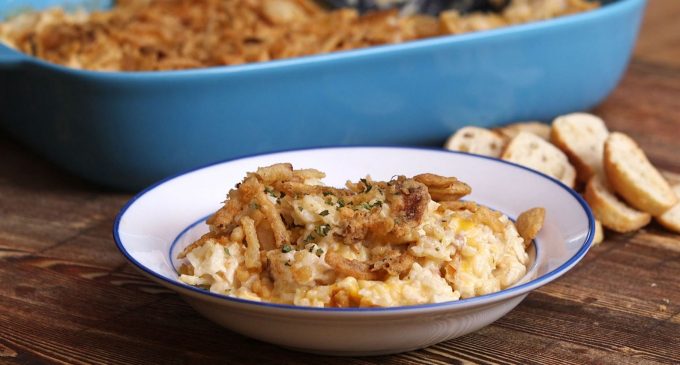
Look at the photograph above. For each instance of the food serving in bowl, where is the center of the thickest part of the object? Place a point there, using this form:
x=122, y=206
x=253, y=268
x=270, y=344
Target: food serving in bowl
x=284, y=237
x=159, y=224
x=183, y=34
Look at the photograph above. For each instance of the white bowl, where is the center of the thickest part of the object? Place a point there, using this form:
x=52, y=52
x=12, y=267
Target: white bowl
x=163, y=219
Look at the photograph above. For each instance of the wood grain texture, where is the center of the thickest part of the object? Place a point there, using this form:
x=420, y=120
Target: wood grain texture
x=67, y=296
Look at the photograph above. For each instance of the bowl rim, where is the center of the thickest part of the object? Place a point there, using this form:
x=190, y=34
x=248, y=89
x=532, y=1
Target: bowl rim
x=448, y=305
x=606, y=9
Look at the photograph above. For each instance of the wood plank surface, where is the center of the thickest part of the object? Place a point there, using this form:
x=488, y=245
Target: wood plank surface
x=67, y=295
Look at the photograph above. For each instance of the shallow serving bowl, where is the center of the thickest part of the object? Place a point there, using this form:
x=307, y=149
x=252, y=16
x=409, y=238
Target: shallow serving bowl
x=159, y=222
x=129, y=129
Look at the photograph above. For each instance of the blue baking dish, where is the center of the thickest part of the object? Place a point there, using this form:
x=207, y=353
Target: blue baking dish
x=127, y=129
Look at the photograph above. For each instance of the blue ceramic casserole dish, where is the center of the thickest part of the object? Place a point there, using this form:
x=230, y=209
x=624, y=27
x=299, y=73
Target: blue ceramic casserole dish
x=127, y=129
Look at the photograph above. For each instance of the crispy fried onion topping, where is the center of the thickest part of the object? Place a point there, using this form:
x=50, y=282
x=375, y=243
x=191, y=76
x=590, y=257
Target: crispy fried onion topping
x=530, y=223
x=373, y=212
x=443, y=188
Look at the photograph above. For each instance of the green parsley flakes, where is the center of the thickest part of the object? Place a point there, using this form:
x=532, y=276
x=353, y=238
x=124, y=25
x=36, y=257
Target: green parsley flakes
x=322, y=230
x=369, y=206
x=368, y=186
x=286, y=248
x=309, y=238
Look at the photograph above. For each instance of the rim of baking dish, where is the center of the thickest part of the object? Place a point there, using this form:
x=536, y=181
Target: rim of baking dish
x=461, y=303
x=303, y=61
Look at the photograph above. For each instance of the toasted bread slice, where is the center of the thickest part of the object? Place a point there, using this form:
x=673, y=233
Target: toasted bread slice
x=476, y=140
x=634, y=178
x=671, y=218
x=534, y=152
x=599, y=233
x=511, y=131
x=612, y=212
x=581, y=136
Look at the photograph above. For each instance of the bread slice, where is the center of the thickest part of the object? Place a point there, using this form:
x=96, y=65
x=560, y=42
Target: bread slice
x=634, y=178
x=671, y=218
x=511, y=131
x=534, y=152
x=581, y=136
x=476, y=140
x=612, y=212
x=599, y=233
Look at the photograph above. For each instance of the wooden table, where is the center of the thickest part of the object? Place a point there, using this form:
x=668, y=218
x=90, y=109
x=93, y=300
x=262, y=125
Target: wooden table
x=68, y=296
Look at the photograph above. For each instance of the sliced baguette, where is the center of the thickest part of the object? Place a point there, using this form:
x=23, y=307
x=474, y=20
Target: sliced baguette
x=511, y=131
x=534, y=152
x=671, y=218
x=612, y=212
x=581, y=136
x=476, y=140
x=599, y=233
x=634, y=178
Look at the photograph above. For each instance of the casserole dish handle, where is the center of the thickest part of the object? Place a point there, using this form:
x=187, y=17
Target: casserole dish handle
x=10, y=58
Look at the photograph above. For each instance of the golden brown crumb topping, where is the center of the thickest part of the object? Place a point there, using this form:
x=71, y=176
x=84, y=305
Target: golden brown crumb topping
x=183, y=34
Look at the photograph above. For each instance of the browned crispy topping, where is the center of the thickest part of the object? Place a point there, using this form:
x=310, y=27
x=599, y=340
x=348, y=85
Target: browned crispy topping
x=358, y=269
x=530, y=223
x=394, y=263
x=490, y=218
x=458, y=205
x=181, y=34
x=261, y=211
x=443, y=188
x=363, y=220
